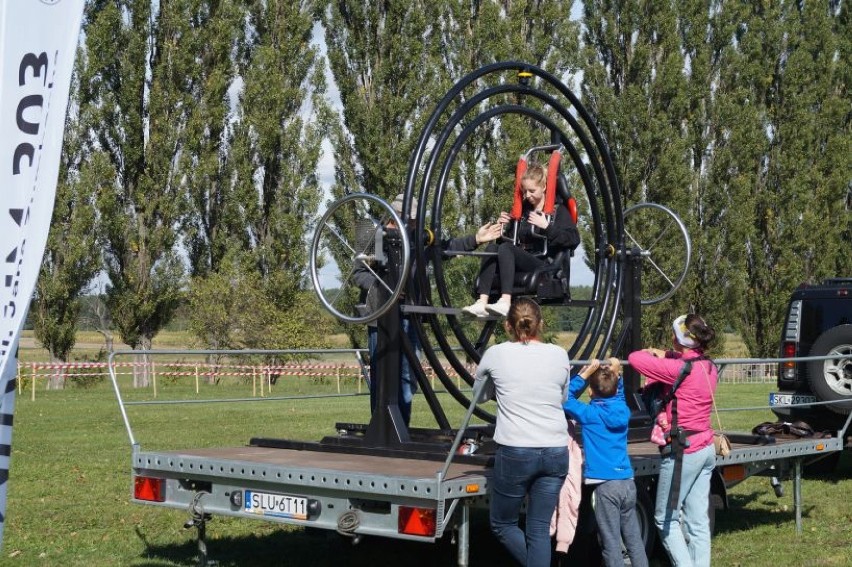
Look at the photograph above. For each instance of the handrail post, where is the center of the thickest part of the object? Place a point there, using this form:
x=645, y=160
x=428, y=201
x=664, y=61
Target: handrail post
x=478, y=387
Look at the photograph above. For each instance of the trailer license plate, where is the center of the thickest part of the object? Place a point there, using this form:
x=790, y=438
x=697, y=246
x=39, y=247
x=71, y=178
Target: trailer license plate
x=776, y=399
x=277, y=505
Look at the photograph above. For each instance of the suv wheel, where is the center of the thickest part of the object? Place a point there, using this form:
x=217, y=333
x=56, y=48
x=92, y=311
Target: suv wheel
x=831, y=379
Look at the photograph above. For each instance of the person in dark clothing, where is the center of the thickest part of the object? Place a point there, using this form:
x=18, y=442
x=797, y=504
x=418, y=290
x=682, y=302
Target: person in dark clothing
x=559, y=231
x=373, y=296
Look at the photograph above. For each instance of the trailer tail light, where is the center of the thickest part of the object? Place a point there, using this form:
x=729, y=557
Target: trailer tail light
x=416, y=521
x=149, y=488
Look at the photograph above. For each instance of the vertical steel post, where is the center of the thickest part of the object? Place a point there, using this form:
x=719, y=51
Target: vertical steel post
x=387, y=427
x=633, y=319
x=797, y=493
x=464, y=535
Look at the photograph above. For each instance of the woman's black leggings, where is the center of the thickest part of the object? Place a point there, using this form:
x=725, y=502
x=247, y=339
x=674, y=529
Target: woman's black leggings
x=509, y=259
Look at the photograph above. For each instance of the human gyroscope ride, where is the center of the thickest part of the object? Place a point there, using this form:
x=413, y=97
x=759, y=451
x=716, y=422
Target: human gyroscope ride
x=416, y=275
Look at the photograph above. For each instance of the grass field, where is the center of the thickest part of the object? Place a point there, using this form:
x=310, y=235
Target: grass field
x=68, y=500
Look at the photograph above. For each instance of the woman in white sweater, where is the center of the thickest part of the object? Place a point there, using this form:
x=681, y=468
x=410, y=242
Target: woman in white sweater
x=529, y=380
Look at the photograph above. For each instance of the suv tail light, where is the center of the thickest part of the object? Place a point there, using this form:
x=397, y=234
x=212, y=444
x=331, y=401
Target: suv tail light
x=789, y=366
x=790, y=346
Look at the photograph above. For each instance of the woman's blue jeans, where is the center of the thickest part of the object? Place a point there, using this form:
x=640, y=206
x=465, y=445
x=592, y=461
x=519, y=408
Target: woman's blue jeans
x=520, y=472
x=685, y=531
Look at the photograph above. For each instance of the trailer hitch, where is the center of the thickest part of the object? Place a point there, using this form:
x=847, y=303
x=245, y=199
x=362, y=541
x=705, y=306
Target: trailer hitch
x=198, y=518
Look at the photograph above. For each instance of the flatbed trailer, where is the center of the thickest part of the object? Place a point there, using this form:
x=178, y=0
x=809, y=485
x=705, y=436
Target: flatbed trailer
x=398, y=497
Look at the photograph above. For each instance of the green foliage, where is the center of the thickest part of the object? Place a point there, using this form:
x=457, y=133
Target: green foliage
x=250, y=173
x=197, y=126
x=213, y=220
x=134, y=102
x=70, y=258
x=277, y=145
x=736, y=117
x=237, y=310
x=791, y=81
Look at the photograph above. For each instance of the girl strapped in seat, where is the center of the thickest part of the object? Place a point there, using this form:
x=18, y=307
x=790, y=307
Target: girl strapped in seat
x=542, y=230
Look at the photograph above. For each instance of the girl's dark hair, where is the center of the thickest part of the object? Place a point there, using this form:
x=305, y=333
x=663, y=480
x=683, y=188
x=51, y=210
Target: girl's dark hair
x=703, y=333
x=524, y=319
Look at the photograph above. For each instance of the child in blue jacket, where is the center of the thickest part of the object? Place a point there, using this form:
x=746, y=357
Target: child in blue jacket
x=607, y=467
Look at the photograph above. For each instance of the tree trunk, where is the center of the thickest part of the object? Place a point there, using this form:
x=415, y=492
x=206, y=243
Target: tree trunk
x=57, y=377
x=142, y=368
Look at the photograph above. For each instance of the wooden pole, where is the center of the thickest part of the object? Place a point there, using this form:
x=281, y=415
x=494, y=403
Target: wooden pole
x=254, y=381
x=196, y=378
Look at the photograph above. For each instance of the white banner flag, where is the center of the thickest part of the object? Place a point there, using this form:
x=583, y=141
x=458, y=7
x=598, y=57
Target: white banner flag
x=38, y=40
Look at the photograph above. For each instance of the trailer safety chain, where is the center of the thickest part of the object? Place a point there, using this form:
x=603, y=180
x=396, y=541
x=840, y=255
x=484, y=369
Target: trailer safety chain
x=198, y=519
x=347, y=523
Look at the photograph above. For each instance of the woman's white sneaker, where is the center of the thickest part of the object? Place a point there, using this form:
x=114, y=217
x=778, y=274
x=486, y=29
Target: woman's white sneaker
x=476, y=309
x=500, y=307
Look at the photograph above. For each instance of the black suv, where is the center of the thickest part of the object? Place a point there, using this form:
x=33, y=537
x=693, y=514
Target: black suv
x=818, y=323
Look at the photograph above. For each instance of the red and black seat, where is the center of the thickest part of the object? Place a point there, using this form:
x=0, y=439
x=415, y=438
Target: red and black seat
x=549, y=283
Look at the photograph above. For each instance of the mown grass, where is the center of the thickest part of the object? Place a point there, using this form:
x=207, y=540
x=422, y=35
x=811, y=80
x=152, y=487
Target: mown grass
x=68, y=500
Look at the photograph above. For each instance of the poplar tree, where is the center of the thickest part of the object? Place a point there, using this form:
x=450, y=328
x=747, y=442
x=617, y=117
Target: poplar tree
x=257, y=190
x=384, y=58
x=736, y=116
x=133, y=97
x=794, y=72
x=212, y=219
x=636, y=84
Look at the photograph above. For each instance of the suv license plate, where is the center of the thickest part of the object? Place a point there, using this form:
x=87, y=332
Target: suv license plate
x=277, y=505
x=777, y=399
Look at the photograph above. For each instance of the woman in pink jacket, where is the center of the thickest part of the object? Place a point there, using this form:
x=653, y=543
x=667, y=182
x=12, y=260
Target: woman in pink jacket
x=685, y=529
